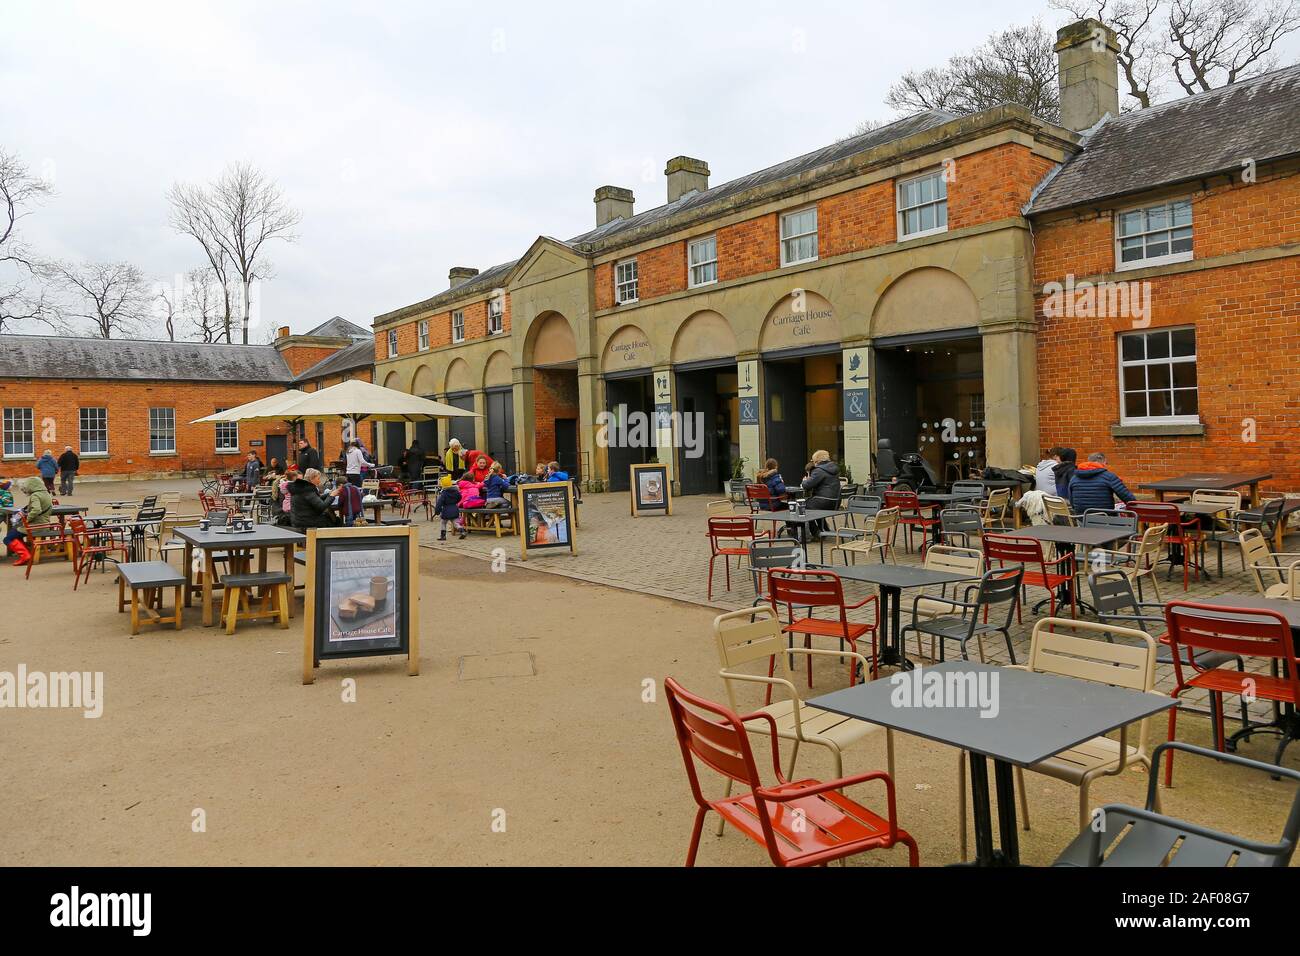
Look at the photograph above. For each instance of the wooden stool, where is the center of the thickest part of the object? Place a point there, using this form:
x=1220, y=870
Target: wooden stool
x=150, y=577
x=274, y=602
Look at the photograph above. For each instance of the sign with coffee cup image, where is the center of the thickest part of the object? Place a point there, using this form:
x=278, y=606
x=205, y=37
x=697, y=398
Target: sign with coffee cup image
x=651, y=490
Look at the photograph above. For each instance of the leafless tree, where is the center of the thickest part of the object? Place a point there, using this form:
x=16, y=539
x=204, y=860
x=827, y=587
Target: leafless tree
x=1221, y=42
x=166, y=306
x=233, y=219
x=113, y=296
x=20, y=191
x=1017, y=65
x=193, y=214
x=202, y=302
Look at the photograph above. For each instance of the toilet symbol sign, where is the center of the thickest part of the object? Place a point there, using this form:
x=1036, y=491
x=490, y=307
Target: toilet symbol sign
x=857, y=404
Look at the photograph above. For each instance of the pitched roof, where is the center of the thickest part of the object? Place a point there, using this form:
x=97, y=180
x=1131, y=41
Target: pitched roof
x=485, y=281
x=1200, y=135
x=340, y=328
x=361, y=354
x=57, y=356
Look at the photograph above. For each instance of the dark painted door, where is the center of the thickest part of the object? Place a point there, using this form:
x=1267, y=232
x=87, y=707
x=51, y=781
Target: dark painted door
x=462, y=428
x=787, y=425
x=628, y=398
x=566, y=446
x=895, y=394
x=501, y=428
x=394, y=443
x=277, y=446
x=697, y=395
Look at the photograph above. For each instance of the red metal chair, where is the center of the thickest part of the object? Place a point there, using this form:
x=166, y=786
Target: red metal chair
x=1244, y=632
x=759, y=498
x=90, y=543
x=414, y=499
x=914, y=515
x=1028, y=553
x=727, y=537
x=42, y=538
x=1186, y=534
x=800, y=823
x=813, y=589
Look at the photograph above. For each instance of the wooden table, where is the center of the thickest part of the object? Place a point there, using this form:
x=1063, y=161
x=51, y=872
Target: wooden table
x=1210, y=481
x=262, y=538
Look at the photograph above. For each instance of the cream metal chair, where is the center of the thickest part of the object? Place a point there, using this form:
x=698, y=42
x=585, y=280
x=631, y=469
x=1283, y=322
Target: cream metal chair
x=996, y=510
x=1085, y=650
x=878, y=532
x=1274, y=578
x=1138, y=561
x=1220, y=529
x=1058, y=511
x=158, y=548
x=170, y=501
x=942, y=557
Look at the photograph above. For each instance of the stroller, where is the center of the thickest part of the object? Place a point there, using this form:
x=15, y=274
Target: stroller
x=906, y=472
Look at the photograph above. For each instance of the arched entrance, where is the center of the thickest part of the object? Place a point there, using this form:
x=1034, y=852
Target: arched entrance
x=704, y=362
x=426, y=433
x=554, y=358
x=629, y=395
x=458, y=388
x=394, y=434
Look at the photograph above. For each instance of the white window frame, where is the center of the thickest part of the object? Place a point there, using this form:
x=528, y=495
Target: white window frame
x=496, y=311
x=7, y=417
x=787, y=237
x=627, y=289
x=166, y=431
x=392, y=343
x=692, y=265
x=1170, y=360
x=226, y=449
x=422, y=335
x=458, y=325
x=900, y=214
x=84, y=446
x=1168, y=204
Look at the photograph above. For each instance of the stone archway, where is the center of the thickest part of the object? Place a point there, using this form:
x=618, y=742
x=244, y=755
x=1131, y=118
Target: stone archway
x=801, y=319
x=928, y=299
x=704, y=336
x=423, y=383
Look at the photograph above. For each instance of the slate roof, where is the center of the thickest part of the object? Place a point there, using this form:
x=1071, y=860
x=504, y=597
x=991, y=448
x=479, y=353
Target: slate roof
x=1183, y=140
x=485, y=281
x=56, y=356
x=340, y=328
x=360, y=354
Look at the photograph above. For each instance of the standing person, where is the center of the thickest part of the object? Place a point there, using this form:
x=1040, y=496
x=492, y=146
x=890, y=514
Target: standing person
x=308, y=457
x=447, y=507
x=309, y=508
x=1045, y=472
x=454, y=460
x=356, y=463
x=1096, y=486
x=252, y=471
x=415, y=459
x=48, y=468
x=69, y=465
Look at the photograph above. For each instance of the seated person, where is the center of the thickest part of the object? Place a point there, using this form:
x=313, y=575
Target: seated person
x=495, y=487
x=771, y=476
x=309, y=508
x=553, y=472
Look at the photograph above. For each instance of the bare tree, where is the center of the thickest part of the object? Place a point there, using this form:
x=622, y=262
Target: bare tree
x=234, y=219
x=202, y=301
x=1017, y=65
x=193, y=215
x=20, y=192
x=1221, y=42
x=166, y=306
x=113, y=296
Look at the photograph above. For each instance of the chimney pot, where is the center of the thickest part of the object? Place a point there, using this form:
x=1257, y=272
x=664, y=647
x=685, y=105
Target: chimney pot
x=460, y=275
x=282, y=332
x=686, y=175
x=1087, y=72
x=613, y=202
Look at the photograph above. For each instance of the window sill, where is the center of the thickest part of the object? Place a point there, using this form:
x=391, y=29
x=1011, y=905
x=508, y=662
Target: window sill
x=1156, y=261
x=19, y=458
x=93, y=455
x=921, y=235
x=627, y=301
x=162, y=454
x=798, y=262
x=1193, y=429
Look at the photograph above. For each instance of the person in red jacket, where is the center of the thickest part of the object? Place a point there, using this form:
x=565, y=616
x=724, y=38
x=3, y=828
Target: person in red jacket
x=480, y=466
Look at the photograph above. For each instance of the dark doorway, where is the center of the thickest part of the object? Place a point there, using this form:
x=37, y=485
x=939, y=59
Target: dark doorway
x=277, y=446
x=501, y=428
x=710, y=420
x=394, y=442
x=426, y=433
x=566, y=446
x=804, y=396
x=462, y=428
x=626, y=397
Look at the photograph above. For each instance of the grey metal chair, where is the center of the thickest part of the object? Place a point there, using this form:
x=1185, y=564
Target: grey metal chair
x=1142, y=837
x=865, y=505
x=768, y=553
x=961, y=526
x=1001, y=586
x=973, y=488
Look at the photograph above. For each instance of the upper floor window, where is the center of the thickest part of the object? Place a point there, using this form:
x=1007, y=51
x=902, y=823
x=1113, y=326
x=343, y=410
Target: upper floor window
x=1157, y=372
x=93, y=431
x=392, y=342
x=702, y=257
x=162, y=430
x=1151, y=235
x=422, y=333
x=625, y=284
x=458, y=326
x=922, y=205
x=18, y=437
x=799, y=236
x=496, y=314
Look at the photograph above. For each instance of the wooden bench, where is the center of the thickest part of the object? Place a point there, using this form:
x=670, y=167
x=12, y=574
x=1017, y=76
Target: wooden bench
x=151, y=578
x=236, y=603
x=489, y=519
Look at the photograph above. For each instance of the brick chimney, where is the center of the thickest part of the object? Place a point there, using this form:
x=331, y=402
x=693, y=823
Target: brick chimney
x=686, y=175
x=282, y=332
x=613, y=202
x=1087, y=72
x=460, y=274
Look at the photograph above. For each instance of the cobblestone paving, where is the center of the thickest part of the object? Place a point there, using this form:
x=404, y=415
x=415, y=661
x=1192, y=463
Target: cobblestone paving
x=668, y=556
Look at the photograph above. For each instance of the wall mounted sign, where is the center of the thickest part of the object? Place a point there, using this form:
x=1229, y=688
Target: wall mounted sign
x=857, y=404
x=546, y=511
x=628, y=348
x=651, y=490
x=749, y=409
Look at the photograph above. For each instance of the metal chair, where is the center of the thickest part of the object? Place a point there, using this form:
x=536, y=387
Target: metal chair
x=758, y=497
x=875, y=534
x=1028, y=552
x=997, y=586
x=973, y=488
x=810, y=590
x=1182, y=533
x=996, y=510
x=1219, y=530
x=768, y=553
x=1276, y=573
x=960, y=526
x=1135, y=837
x=854, y=506
x=728, y=537
x=942, y=557
x=1058, y=511
x=91, y=546
x=913, y=515
x=1136, y=562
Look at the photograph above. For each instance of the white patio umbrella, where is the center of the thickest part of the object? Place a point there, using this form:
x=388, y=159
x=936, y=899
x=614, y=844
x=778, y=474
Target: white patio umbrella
x=358, y=401
x=261, y=406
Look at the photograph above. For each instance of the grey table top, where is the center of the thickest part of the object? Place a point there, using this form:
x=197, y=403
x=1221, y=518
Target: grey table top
x=1091, y=537
x=57, y=510
x=1036, y=716
x=896, y=575
x=1201, y=508
x=262, y=536
x=812, y=515
x=940, y=497
x=1288, y=609
x=1217, y=481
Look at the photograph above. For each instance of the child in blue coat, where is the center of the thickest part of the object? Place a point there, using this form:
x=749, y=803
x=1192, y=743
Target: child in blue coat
x=447, y=507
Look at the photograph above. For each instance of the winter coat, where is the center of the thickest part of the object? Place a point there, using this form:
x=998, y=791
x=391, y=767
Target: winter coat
x=69, y=463
x=308, y=509
x=415, y=460
x=253, y=472
x=7, y=498
x=447, y=505
x=477, y=474
x=454, y=462
x=350, y=501
x=1045, y=476
x=776, y=485
x=47, y=466
x=495, y=487
x=469, y=496
x=356, y=461
x=1064, y=472
x=308, y=458
x=558, y=476
x=1096, y=486
x=823, y=486
x=40, y=506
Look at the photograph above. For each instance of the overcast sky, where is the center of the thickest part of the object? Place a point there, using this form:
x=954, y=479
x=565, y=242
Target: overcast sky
x=414, y=136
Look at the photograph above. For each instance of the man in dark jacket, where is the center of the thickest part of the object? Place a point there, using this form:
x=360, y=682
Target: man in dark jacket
x=1096, y=486
x=1065, y=470
x=308, y=508
x=415, y=459
x=308, y=457
x=821, y=487
x=69, y=464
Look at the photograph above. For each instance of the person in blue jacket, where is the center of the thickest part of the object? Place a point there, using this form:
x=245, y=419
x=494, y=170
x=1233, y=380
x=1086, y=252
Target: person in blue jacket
x=48, y=467
x=771, y=476
x=553, y=472
x=1096, y=486
x=495, y=486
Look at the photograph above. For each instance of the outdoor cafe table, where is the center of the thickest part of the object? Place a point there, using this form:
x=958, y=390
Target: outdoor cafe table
x=1186, y=484
x=802, y=521
x=262, y=538
x=892, y=579
x=119, y=504
x=1037, y=716
x=939, y=498
x=1068, y=536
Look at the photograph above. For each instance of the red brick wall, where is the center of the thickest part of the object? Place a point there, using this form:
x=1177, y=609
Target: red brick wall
x=993, y=184
x=555, y=395
x=662, y=270
x=748, y=248
x=856, y=220
x=299, y=358
x=408, y=339
x=128, y=405
x=605, y=286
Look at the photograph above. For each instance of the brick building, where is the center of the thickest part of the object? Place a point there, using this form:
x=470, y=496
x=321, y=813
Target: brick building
x=126, y=406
